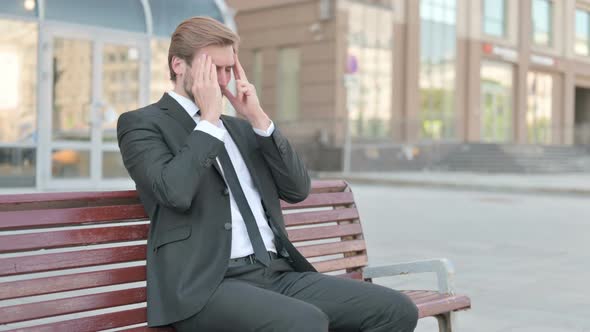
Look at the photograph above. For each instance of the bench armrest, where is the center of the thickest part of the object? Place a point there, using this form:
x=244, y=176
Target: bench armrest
x=442, y=267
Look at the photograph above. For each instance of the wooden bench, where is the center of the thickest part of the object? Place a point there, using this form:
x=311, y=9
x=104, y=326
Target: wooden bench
x=76, y=261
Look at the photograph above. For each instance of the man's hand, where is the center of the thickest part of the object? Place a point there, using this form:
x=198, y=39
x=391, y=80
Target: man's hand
x=246, y=102
x=206, y=90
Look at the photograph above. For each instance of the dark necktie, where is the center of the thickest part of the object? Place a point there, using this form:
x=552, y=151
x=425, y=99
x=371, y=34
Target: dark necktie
x=234, y=185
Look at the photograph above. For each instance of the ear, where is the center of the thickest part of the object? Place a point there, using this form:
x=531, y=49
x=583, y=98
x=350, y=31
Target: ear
x=178, y=65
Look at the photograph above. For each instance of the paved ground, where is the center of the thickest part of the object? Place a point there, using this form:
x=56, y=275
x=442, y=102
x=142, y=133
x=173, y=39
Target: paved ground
x=523, y=259
x=569, y=184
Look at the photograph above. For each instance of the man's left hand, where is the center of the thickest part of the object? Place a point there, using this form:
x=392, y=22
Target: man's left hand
x=246, y=101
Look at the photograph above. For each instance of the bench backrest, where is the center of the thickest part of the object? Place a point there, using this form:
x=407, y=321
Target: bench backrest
x=64, y=257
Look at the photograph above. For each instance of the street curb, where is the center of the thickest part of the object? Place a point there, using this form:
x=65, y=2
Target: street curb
x=455, y=185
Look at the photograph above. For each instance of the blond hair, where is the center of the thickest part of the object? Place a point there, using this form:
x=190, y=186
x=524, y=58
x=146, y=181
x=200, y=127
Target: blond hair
x=195, y=33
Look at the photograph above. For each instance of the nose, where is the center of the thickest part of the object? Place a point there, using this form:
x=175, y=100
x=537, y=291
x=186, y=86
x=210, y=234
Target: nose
x=223, y=79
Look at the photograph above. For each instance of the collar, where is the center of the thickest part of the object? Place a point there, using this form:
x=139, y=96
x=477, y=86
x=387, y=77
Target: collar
x=189, y=106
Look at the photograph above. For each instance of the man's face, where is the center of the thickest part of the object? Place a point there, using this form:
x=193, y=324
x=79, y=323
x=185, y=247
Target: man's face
x=221, y=56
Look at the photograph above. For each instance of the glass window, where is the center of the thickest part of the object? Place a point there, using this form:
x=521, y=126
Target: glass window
x=582, y=40
x=117, y=14
x=494, y=18
x=288, y=79
x=18, y=103
x=121, y=94
x=496, y=102
x=160, y=73
x=167, y=14
x=542, y=12
x=70, y=164
x=25, y=8
x=72, y=71
x=437, y=69
x=539, y=107
x=370, y=45
x=112, y=165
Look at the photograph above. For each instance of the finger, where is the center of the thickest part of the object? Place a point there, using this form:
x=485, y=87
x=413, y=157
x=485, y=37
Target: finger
x=240, y=93
x=195, y=71
x=207, y=69
x=213, y=73
x=249, y=90
x=240, y=69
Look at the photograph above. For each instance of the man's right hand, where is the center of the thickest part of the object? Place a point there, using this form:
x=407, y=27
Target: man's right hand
x=206, y=89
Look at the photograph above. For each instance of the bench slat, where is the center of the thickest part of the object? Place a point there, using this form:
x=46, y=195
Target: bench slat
x=322, y=186
x=90, y=196
x=332, y=248
x=24, y=200
x=70, y=282
x=341, y=263
x=323, y=232
x=67, y=260
x=317, y=217
x=73, y=237
x=436, y=303
x=12, y=220
x=351, y=275
x=94, y=323
x=149, y=329
x=24, y=312
x=321, y=200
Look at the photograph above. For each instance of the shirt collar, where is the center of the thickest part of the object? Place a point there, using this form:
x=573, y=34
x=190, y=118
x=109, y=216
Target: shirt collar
x=189, y=106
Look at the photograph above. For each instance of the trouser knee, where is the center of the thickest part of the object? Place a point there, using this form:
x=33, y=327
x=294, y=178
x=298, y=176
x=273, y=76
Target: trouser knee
x=312, y=319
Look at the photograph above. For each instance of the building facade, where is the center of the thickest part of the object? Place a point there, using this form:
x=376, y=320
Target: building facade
x=419, y=72
x=69, y=69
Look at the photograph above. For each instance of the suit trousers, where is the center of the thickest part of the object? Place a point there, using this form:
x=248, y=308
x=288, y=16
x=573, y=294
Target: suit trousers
x=276, y=298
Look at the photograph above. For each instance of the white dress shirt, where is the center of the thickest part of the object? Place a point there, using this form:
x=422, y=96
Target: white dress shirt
x=240, y=244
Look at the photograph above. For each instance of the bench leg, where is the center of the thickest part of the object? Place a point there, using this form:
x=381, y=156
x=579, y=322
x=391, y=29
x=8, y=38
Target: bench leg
x=445, y=322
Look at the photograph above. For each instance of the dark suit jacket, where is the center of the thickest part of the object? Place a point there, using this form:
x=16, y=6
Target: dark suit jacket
x=185, y=196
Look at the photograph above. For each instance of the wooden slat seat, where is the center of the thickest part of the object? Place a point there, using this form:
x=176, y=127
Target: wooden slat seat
x=66, y=257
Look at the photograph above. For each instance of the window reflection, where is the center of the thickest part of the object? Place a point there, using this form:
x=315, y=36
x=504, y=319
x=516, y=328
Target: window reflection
x=18, y=82
x=72, y=89
x=542, y=12
x=112, y=165
x=70, y=164
x=437, y=68
x=494, y=17
x=18, y=103
x=160, y=74
x=582, y=39
x=496, y=101
x=370, y=42
x=539, y=107
x=120, y=86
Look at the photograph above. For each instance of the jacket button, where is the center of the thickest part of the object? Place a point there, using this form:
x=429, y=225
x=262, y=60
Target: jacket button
x=227, y=226
x=225, y=192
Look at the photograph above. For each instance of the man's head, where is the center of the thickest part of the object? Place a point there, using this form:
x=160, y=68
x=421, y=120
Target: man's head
x=193, y=37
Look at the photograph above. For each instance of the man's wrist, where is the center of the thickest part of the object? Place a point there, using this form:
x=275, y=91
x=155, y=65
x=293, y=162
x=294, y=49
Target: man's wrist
x=260, y=121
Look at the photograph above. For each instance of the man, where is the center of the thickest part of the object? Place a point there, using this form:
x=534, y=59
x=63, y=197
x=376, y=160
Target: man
x=218, y=254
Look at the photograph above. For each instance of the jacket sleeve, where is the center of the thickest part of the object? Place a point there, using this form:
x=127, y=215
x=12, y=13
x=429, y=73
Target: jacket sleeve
x=172, y=178
x=287, y=169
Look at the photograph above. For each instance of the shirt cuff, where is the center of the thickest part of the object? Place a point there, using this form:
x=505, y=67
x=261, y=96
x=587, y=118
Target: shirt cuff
x=211, y=129
x=267, y=132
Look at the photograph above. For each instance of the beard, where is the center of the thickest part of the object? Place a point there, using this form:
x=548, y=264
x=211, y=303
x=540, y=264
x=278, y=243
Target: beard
x=188, y=84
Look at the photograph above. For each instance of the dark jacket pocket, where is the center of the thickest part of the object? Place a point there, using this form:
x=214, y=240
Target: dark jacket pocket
x=173, y=235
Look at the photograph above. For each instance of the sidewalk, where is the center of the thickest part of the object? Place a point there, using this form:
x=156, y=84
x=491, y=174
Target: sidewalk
x=568, y=184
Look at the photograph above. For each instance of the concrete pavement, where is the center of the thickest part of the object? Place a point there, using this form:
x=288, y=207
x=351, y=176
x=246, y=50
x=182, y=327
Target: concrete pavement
x=562, y=184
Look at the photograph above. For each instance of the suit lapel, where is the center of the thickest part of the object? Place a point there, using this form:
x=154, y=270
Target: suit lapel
x=178, y=113
x=241, y=142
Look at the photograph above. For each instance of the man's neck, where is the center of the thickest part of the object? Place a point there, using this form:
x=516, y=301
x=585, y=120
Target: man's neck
x=179, y=90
